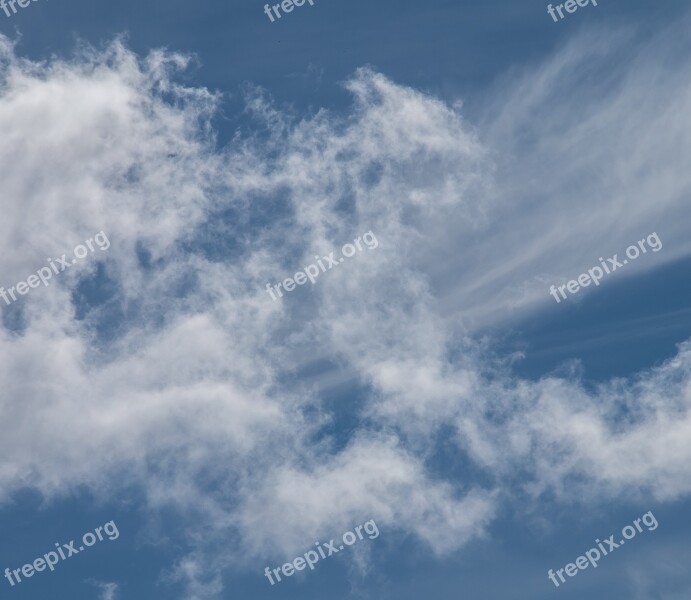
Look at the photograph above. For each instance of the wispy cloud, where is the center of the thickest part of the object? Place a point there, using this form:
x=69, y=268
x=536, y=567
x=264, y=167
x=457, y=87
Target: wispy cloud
x=109, y=590
x=193, y=388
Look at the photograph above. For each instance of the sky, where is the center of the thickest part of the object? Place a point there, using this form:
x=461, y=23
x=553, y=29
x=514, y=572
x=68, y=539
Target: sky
x=263, y=283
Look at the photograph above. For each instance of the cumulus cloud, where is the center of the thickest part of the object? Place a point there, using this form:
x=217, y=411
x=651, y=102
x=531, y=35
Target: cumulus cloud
x=190, y=376
x=369, y=478
x=182, y=380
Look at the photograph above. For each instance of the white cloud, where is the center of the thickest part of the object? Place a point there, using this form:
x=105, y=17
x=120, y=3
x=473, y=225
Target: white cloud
x=195, y=396
x=370, y=479
x=109, y=590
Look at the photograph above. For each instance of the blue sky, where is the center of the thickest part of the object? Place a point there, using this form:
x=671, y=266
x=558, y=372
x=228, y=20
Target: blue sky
x=430, y=383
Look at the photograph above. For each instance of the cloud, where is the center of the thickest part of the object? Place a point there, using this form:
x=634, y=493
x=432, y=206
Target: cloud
x=184, y=379
x=190, y=378
x=369, y=479
x=109, y=591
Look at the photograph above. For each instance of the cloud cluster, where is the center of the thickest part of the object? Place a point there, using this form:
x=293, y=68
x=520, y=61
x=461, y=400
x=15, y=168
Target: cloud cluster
x=183, y=380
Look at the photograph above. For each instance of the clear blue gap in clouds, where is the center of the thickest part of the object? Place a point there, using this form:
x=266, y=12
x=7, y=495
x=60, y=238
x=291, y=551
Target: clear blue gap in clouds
x=616, y=329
